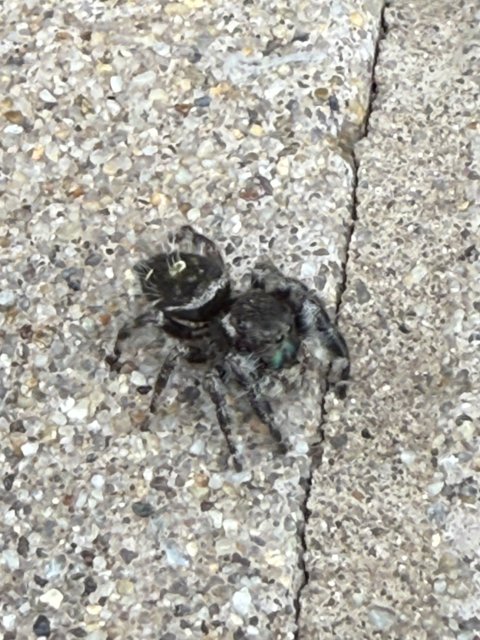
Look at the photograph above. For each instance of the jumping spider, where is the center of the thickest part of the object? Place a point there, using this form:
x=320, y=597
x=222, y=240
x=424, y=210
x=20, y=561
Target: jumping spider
x=241, y=336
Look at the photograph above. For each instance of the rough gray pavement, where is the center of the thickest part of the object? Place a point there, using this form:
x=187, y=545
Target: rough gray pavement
x=120, y=121
x=393, y=539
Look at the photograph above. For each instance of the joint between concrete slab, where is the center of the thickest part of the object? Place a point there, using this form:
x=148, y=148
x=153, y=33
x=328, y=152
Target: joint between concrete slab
x=317, y=456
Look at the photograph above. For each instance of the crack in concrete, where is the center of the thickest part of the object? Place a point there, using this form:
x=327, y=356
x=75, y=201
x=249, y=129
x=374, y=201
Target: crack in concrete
x=317, y=456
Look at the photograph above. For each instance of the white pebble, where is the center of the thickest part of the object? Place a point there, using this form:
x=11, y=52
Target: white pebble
x=434, y=488
x=283, y=166
x=138, y=379
x=144, y=79
x=407, y=457
x=301, y=447
x=205, y=149
x=198, y=447
x=308, y=270
x=13, y=130
x=11, y=559
x=79, y=411
x=242, y=601
x=8, y=621
x=150, y=150
x=98, y=481
x=173, y=555
x=53, y=597
x=216, y=517
x=40, y=360
x=7, y=298
x=29, y=448
x=381, y=617
x=230, y=527
x=193, y=214
x=216, y=481
x=183, y=176
x=46, y=96
x=55, y=567
x=97, y=635
x=440, y=586
x=116, y=84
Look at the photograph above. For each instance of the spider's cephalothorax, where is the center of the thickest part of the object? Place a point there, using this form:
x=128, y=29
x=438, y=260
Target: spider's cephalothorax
x=240, y=336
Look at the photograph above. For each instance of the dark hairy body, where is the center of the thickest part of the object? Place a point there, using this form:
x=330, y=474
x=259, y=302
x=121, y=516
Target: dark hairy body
x=237, y=336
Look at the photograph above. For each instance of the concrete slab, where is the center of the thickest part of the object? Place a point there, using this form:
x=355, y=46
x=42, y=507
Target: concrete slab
x=393, y=538
x=122, y=120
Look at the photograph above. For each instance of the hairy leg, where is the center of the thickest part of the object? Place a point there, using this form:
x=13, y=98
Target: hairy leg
x=144, y=319
x=242, y=371
x=216, y=390
x=313, y=316
x=164, y=375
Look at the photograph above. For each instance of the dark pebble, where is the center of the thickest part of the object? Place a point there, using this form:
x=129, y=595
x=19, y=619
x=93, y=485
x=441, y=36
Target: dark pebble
x=144, y=389
x=78, y=632
x=340, y=441
x=93, y=259
x=333, y=103
x=181, y=610
x=204, y=101
x=73, y=277
x=89, y=586
x=17, y=426
x=40, y=581
x=194, y=56
x=26, y=331
x=8, y=481
x=127, y=555
x=23, y=546
x=236, y=557
x=41, y=626
x=88, y=556
x=142, y=509
x=189, y=394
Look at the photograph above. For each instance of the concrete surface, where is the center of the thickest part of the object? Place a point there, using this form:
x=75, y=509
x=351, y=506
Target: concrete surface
x=394, y=534
x=121, y=121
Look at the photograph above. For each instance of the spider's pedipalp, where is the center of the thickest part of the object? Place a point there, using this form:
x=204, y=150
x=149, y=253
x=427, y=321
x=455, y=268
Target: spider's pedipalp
x=144, y=319
x=198, y=243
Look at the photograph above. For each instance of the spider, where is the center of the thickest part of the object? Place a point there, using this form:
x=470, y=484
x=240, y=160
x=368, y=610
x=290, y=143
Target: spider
x=239, y=336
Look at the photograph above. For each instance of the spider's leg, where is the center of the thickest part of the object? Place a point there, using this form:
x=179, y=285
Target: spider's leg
x=164, y=375
x=265, y=275
x=215, y=389
x=150, y=317
x=241, y=369
x=314, y=316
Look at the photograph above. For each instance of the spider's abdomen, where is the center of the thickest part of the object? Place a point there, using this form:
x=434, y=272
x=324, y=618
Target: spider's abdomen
x=185, y=286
